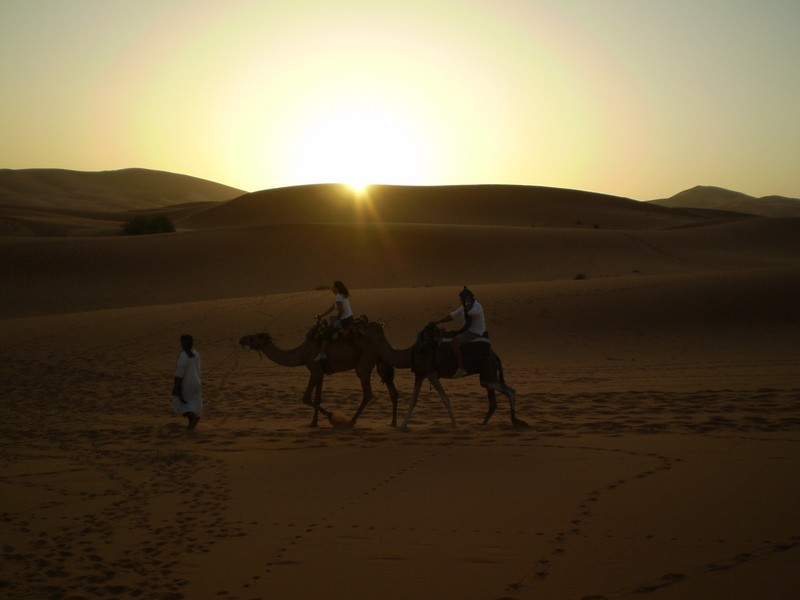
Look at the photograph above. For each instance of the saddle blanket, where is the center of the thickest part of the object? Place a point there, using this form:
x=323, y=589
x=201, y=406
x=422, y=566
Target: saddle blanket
x=480, y=340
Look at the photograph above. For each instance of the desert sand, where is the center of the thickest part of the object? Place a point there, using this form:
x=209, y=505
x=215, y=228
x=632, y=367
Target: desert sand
x=654, y=353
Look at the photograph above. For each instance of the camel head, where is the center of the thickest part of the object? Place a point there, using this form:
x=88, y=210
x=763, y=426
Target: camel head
x=255, y=341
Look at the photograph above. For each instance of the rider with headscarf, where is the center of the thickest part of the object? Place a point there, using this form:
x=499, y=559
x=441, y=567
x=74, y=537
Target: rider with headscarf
x=474, y=326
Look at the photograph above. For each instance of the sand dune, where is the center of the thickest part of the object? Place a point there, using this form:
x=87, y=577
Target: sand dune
x=214, y=264
x=654, y=357
x=487, y=205
x=59, y=202
x=716, y=198
x=124, y=189
x=294, y=239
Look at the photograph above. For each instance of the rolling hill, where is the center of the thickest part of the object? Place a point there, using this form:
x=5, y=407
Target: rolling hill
x=715, y=198
x=90, y=192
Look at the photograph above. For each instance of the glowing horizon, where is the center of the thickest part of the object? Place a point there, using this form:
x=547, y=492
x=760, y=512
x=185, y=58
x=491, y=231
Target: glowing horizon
x=627, y=98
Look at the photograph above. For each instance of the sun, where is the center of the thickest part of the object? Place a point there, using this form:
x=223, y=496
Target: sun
x=359, y=188
x=358, y=142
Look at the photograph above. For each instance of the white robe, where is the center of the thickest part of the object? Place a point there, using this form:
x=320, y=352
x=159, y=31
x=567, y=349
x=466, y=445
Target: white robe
x=188, y=369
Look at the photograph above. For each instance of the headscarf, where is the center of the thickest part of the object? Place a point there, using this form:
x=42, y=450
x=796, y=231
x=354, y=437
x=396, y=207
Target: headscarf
x=464, y=295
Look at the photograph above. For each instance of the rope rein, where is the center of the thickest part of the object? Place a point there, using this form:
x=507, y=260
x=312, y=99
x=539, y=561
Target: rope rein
x=219, y=364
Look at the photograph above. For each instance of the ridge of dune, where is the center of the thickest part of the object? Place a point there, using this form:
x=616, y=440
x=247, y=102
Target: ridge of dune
x=500, y=205
x=42, y=196
x=709, y=197
x=124, y=189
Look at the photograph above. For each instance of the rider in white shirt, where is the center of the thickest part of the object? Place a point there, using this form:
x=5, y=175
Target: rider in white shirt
x=474, y=326
x=343, y=318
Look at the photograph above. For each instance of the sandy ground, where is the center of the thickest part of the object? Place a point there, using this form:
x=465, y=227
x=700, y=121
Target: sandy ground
x=661, y=392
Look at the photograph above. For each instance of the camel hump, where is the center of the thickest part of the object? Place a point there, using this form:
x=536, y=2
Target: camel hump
x=315, y=333
x=429, y=336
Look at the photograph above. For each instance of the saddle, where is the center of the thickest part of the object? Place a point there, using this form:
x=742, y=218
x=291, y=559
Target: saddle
x=477, y=353
x=319, y=328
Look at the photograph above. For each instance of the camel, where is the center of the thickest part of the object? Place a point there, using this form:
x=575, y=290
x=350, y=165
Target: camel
x=428, y=360
x=344, y=354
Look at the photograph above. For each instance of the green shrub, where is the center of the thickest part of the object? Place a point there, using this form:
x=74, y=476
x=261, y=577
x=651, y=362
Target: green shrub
x=148, y=225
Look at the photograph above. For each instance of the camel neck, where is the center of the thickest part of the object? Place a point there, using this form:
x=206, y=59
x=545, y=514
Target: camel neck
x=294, y=357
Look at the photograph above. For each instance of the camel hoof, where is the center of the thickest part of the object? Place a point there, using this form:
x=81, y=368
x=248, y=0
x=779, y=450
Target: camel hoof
x=520, y=423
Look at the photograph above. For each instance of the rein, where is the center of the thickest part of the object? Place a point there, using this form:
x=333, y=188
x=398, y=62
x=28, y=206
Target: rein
x=215, y=367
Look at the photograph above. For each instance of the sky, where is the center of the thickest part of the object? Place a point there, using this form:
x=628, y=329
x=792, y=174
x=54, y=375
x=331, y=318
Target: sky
x=635, y=98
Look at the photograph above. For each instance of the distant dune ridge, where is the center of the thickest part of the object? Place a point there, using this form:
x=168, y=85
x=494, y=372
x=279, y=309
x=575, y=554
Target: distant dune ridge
x=653, y=351
x=716, y=198
x=59, y=202
x=126, y=189
x=94, y=201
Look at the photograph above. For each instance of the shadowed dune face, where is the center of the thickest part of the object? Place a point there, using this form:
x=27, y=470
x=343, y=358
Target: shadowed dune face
x=297, y=239
x=92, y=273
x=486, y=205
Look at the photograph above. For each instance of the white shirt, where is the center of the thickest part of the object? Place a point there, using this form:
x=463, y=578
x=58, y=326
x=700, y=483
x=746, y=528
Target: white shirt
x=346, y=310
x=476, y=313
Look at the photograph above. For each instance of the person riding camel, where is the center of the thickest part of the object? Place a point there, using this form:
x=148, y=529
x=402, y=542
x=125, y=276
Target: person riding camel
x=343, y=318
x=474, y=326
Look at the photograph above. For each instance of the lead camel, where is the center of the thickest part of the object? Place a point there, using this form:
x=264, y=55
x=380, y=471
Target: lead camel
x=344, y=354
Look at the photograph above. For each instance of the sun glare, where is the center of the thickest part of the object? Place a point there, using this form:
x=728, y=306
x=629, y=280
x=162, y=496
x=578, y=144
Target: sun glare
x=357, y=143
x=359, y=188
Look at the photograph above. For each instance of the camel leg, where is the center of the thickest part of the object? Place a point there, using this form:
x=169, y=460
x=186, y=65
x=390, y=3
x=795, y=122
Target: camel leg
x=511, y=394
x=366, y=386
x=437, y=385
x=316, y=403
x=393, y=395
x=386, y=373
x=313, y=378
x=310, y=389
x=315, y=386
x=413, y=402
x=492, y=397
x=512, y=403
